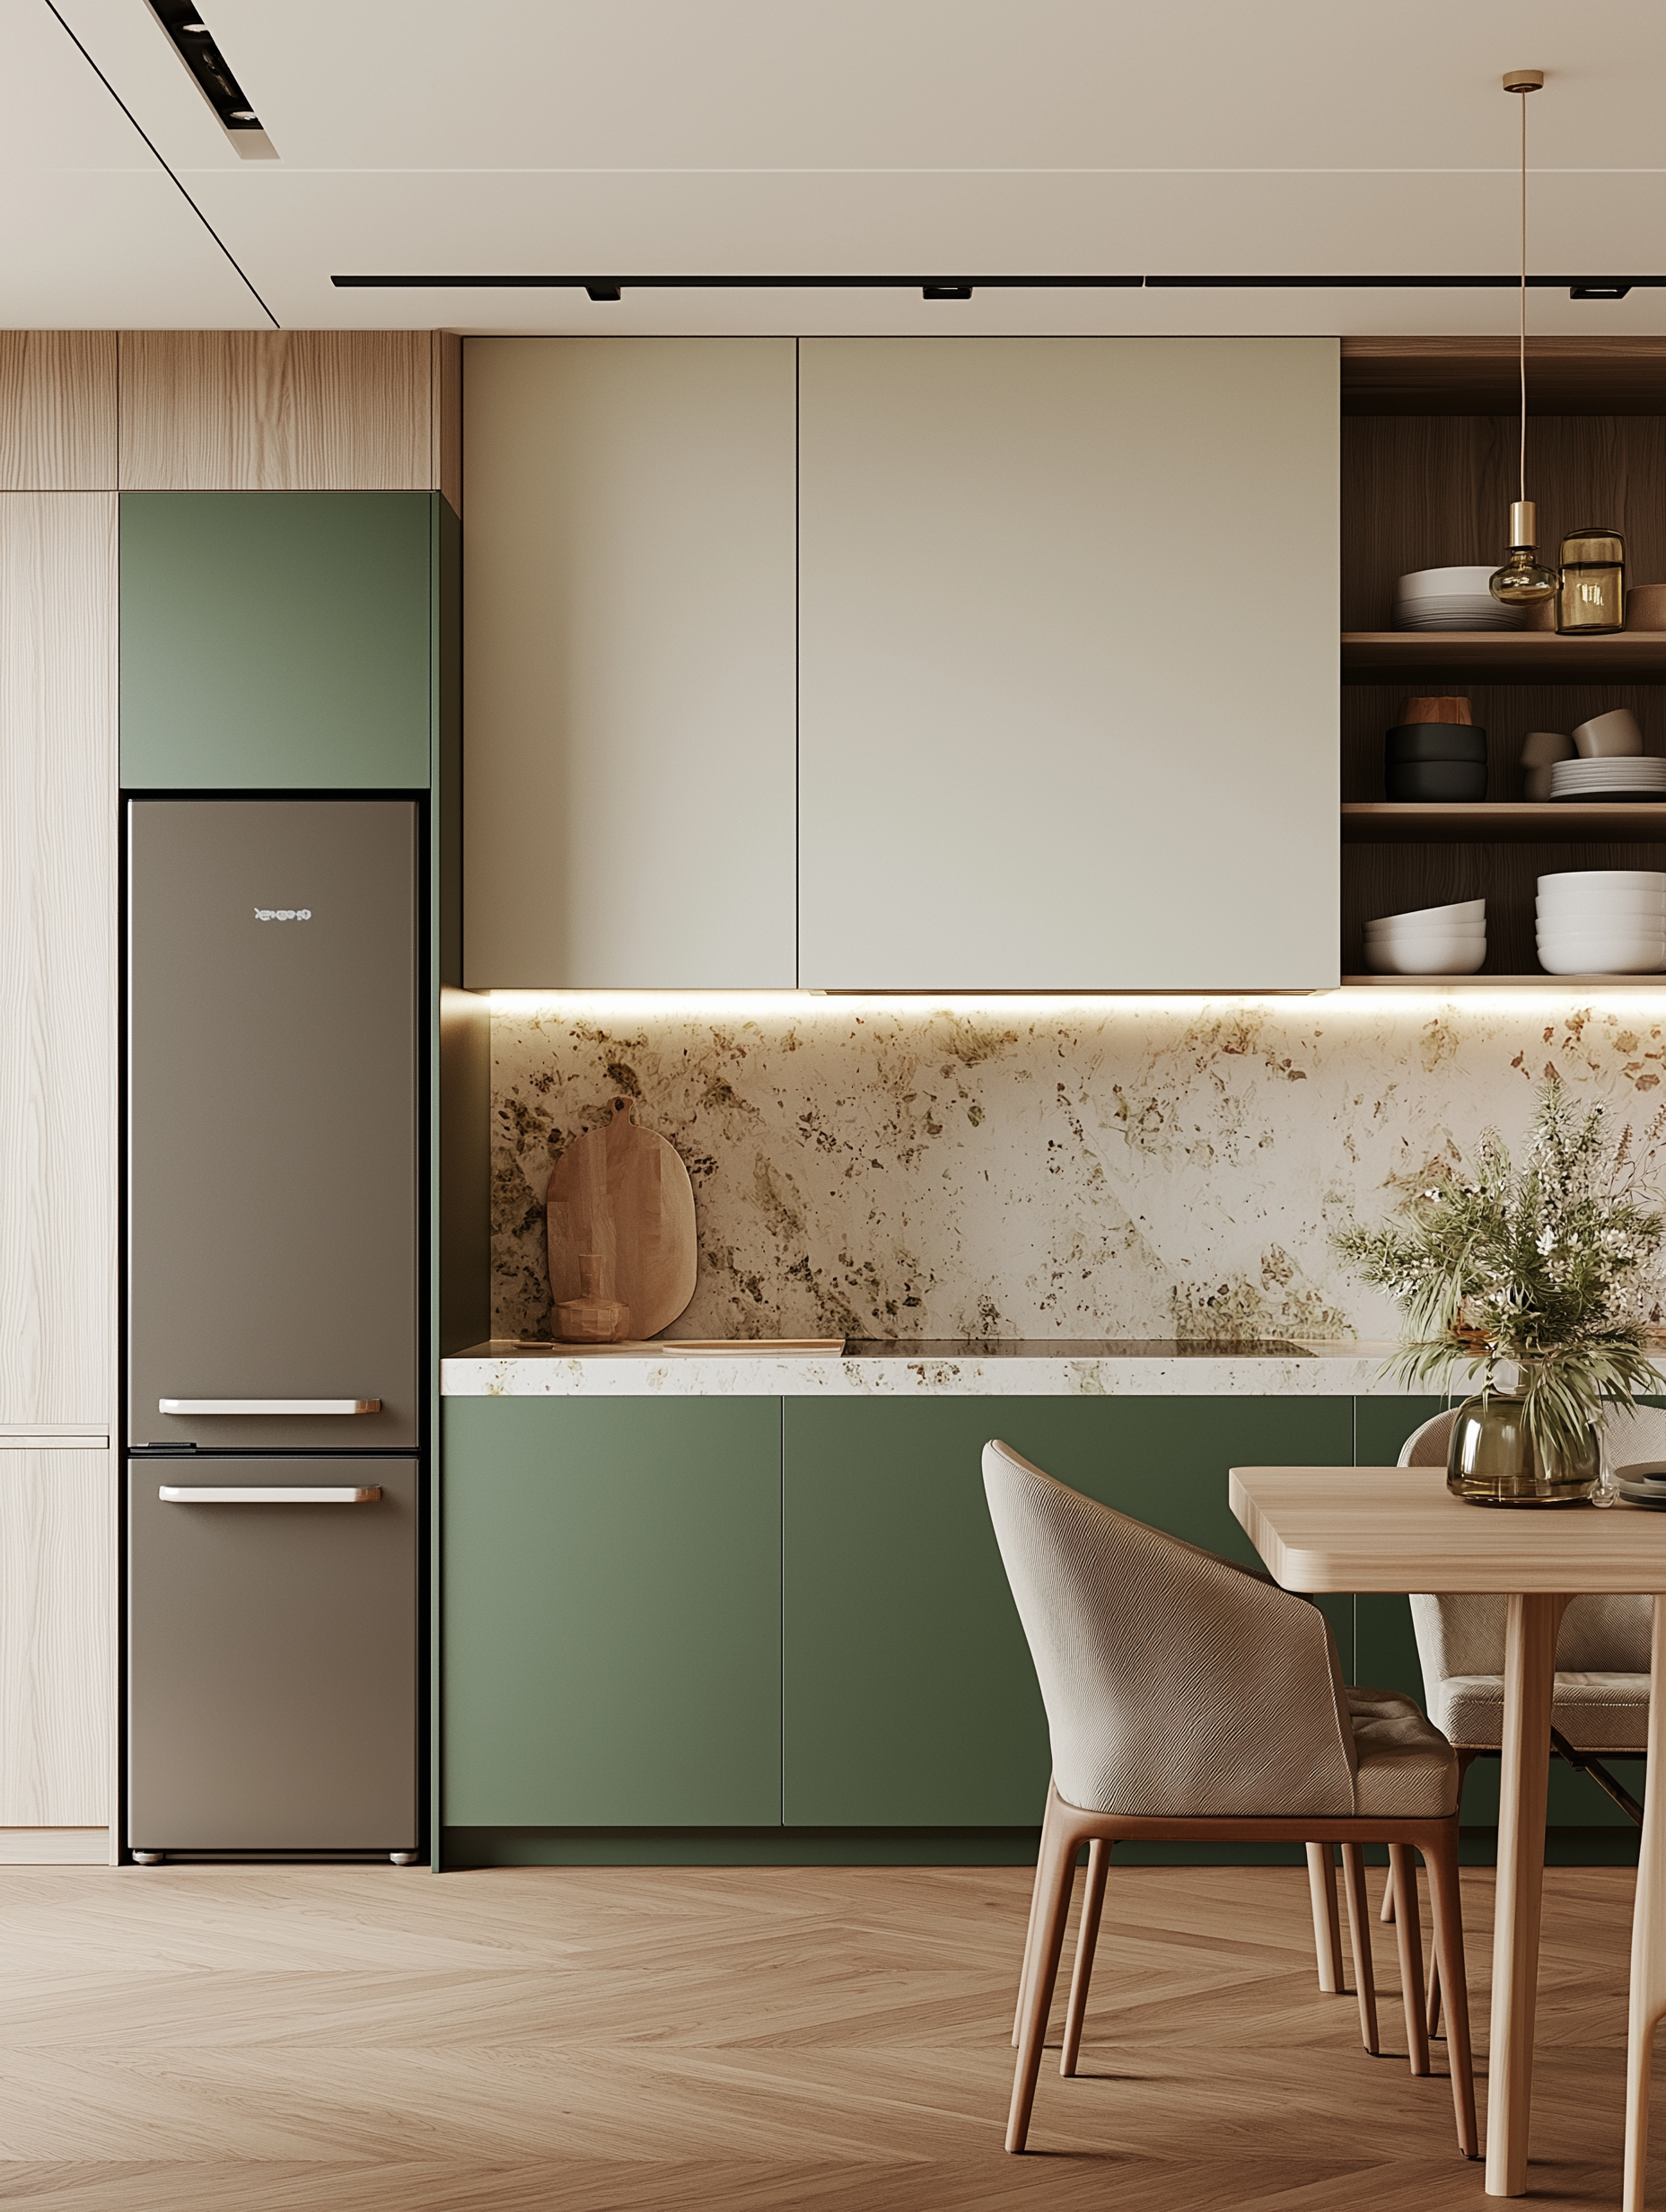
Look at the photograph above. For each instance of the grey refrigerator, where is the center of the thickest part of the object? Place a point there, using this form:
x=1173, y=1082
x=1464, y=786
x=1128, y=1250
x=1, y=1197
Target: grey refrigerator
x=273, y=1326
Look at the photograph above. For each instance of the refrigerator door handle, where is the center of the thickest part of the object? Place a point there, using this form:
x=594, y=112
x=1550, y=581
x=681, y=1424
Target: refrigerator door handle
x=269, y=1404
x=272, y=1494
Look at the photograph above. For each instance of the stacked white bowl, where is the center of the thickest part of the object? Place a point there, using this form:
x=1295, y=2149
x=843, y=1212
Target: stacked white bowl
x=1451, y=599
x=1604, y=921
x=1434, y=940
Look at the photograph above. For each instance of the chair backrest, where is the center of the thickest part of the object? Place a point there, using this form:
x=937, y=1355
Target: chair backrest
x=1175, y=1685
x=1599, y=1634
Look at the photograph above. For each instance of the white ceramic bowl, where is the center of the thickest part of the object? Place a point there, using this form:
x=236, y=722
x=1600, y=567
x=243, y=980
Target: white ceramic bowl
x=1639, y=878
x=1425, y=929
x=1603, y=953
x=1424, y=917
x=1446, y=583
x=1574, y=913
x=1439, y=953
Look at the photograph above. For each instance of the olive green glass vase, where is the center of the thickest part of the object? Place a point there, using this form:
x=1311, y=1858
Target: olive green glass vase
x=1492, y=1459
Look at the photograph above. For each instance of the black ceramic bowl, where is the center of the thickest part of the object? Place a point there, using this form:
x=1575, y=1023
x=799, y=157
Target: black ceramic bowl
x=1435, y=741
x=1437, y=779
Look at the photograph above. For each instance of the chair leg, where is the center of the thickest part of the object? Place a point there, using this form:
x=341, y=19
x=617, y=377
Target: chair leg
x=1359, y=1936
x=1087, y=1938
x=1035, y=1911
x=1321, y=1881
x=1408, y=1934
x=1387, y=1915
x=1434, y=1992
x=1056, y=1871
x=1445, y=1898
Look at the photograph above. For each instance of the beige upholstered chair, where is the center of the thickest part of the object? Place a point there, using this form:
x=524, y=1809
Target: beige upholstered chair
x=1601, y=1706
x=1188, y=1699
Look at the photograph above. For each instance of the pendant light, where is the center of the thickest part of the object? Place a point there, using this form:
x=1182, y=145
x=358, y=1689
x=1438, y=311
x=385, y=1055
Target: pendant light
x=1521, y=582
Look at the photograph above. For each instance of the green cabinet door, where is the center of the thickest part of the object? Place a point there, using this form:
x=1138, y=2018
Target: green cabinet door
x=275, y=641
x=612, y=1613
x=909, y=1697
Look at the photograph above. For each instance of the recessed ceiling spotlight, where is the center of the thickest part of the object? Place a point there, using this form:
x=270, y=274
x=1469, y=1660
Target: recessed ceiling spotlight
x=1598, y=292
x=602, y=291
x=946, y=292
x=192, y=40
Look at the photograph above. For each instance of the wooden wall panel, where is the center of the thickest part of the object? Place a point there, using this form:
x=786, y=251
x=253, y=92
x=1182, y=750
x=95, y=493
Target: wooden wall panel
x=284, y=410
x=57, y=410
x=57, y=1608
x=58, y=878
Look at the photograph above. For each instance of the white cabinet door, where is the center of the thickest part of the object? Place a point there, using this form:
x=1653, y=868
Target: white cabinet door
x=59, y=822
x=628, y=663
x=1068, y=666
x=56, y=1606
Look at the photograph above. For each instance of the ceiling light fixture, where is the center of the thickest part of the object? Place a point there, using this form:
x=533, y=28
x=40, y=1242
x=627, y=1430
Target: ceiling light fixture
x=192, y=40
x=946, y=292
x=1523, y=581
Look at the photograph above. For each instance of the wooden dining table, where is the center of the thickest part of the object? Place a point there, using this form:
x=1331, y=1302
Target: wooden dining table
x=1399, y=1529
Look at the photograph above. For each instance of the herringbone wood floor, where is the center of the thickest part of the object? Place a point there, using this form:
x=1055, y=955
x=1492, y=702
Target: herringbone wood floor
x=357, y=2039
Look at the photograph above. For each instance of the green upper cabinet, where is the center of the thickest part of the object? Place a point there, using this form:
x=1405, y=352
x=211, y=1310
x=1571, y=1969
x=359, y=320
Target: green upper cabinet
x=275, y=641
x=909, y=1695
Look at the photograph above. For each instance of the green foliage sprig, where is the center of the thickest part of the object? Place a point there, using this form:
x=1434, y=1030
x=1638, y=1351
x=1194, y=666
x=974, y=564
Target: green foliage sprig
x=1549, y=1265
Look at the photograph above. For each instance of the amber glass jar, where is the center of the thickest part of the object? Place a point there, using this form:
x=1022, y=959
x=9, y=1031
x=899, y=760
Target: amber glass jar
x=1593, y=598
x=1492, y=1461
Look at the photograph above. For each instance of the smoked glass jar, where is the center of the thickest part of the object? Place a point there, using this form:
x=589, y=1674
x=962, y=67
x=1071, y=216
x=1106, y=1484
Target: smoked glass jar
x=1593, y=598
x=1492, y=1461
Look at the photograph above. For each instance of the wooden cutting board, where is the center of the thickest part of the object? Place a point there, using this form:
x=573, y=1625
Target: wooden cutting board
x=623, y=1193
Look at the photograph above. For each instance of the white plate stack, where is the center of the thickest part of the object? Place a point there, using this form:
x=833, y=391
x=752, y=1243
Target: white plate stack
x=1434, y=940
x=1604, y=922
x=1451, y=599
x=1639, y=778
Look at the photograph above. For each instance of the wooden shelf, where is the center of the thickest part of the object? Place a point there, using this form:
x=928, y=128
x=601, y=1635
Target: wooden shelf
x=1489, y=822
x=1531, y=656
x=1540, y=981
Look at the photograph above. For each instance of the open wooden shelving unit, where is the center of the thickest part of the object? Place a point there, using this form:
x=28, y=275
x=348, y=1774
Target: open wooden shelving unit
x=1428, y=470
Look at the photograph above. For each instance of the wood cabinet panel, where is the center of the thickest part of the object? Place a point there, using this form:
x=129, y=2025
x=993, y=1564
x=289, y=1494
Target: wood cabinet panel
x=56, y=1611
x=57, y=410
x=1068, y=663
x=629, y=772
x=277, y=410
x=58, y=958
x=909, y=1697
x=611, y=1639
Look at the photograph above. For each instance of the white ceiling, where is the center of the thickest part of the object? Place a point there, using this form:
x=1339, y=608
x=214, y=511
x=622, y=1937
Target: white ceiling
x=877, y=136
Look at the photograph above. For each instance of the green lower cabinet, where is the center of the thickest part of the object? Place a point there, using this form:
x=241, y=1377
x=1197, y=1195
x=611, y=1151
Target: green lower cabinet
x=909, y=1697
x=611, y=1624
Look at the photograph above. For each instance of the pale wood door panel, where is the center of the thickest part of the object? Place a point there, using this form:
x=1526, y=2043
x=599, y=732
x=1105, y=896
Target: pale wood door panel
x=628, y=612
x=56, y=1606
x=277, y=410
x=57, y=410
x=59, y=823
x=1068, y=683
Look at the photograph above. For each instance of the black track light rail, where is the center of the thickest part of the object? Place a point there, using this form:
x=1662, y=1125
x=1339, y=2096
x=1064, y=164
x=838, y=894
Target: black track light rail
x=963, y=287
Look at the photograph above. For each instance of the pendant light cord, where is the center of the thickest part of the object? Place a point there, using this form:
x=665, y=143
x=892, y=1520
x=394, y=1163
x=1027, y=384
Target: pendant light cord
x=1521, y=349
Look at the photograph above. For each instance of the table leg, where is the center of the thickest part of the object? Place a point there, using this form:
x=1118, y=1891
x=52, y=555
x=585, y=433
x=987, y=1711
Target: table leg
x=1648, y=1934
x=1530, y=1687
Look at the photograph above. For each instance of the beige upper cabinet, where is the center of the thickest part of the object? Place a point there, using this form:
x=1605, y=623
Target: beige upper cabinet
x=628, y=663
x=1068, y=703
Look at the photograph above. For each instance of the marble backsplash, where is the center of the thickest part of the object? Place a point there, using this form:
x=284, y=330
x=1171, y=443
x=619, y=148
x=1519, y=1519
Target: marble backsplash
x=1121, y=1169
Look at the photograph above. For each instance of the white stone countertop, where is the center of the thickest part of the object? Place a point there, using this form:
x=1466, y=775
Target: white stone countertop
x=1059, y=1369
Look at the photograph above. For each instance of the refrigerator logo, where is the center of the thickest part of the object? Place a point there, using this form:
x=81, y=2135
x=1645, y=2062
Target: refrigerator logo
x=283, y=914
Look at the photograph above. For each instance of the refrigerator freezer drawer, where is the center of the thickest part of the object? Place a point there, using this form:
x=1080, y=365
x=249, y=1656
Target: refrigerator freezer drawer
x=272, y=1657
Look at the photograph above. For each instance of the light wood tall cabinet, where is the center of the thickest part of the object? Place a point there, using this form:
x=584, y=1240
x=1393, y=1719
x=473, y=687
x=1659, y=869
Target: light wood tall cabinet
x=1068, y=689
x=628, y=675
x=58, y=911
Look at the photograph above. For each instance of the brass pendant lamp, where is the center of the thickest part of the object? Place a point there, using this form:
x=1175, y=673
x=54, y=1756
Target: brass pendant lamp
x=1522, y=580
